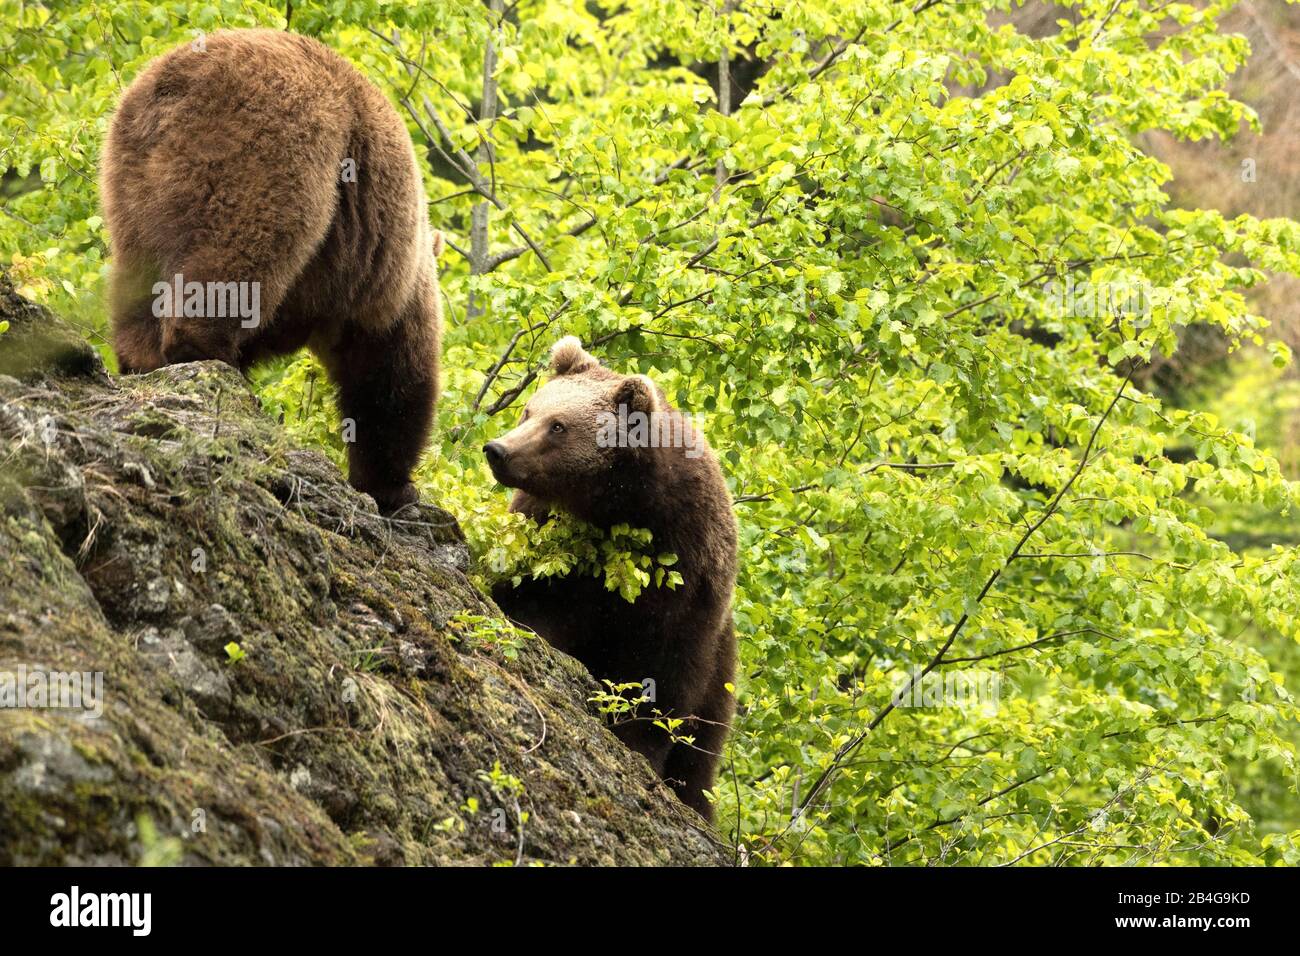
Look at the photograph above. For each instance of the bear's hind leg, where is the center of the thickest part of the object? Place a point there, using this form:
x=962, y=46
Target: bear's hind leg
x=388, y=387
x=693, y=768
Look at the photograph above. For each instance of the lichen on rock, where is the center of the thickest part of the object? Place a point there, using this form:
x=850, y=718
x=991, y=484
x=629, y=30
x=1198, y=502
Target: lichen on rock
x=288, y=678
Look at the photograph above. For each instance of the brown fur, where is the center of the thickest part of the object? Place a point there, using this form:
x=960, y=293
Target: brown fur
x=683, y=638
x=224, y=164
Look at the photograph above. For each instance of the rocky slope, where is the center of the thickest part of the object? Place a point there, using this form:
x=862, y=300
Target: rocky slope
x=287, y=677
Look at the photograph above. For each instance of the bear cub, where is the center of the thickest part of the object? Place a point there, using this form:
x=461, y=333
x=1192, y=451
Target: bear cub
x=680, y=638
x=261, y=195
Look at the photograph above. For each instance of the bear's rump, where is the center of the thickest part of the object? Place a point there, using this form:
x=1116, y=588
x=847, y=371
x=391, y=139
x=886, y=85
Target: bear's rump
x=262, y=171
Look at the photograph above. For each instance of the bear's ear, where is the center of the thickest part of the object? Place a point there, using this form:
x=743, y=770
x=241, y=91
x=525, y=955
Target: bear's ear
x=638, y=393
x=568, y=357
x=439, y=243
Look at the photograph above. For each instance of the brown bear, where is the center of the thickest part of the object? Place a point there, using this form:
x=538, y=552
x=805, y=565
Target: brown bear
x=262, y=195
x=587, y=445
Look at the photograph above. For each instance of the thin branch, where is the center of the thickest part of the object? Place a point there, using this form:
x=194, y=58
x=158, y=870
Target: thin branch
x=837, y=51
x=890, y=848
x=1023, y=647
x=901, y=465
x=495, y=370
x=849, y=748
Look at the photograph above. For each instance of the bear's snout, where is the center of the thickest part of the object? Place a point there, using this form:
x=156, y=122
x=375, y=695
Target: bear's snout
x=497, y=459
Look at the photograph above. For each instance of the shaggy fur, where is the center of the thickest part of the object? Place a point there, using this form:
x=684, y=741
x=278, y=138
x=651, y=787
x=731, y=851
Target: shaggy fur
x=225, y=162
x=681, y=638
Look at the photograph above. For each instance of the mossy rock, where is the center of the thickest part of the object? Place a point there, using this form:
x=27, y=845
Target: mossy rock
x=155, y=528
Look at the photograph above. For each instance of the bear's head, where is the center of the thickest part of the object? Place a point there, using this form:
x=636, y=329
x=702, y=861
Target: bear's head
x=567, y=445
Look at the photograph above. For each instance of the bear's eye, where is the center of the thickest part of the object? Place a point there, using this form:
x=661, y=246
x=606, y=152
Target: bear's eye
x=556, y=428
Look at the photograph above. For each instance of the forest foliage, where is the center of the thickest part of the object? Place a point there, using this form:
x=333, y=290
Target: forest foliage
x=907, y=264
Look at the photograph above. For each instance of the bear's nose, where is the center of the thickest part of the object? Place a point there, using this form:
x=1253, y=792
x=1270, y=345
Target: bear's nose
x=495, y=452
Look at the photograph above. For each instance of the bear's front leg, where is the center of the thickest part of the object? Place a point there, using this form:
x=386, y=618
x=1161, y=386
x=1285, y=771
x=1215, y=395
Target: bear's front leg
x=202, y=310
x=137, y=338
x=200, y=340
x=388, y=387
x=642, y=735
x=137, y=329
